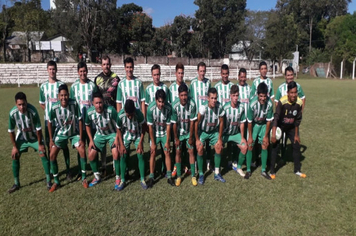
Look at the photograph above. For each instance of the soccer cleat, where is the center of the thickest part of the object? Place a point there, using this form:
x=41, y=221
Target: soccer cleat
x=201, y=180
x=117, y=183
x=121, y=186
x=69, y=176
x=174, y=172
x=218, y=177
x=240, y=172
x=234, y=168
x=178, y=181
x=85, y=183
x=170, y=181
x=94, y=182
x=150, y=182
x=266, y=175
x=143, y=185
x=194, y=181
x=49, y=185
x=247, y=175
x=273, y=176
x=300, y=174
x=54, y=187
x=14, y=188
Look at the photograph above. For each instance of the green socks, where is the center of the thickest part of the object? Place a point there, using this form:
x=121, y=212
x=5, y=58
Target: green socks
x=94, y=167
x=192, y=169
x=217, y=160
x=141, y=166
x=200, y=164
x=123, y=167
x=169, y=174
x=54, y=168
x=248, y=160
x=241, y=160
x=82, y=167
x=264, y=155
x=16, y=171
x=117, y=167
x=46, y=166
x=179, y=169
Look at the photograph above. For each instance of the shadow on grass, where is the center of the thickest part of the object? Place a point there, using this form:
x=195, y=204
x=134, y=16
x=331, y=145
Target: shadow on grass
x=288, y=156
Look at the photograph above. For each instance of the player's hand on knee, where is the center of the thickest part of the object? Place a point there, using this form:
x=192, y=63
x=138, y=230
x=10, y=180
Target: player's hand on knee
x=41, y=150
x=153, y=148
x=51, y=144
x=265, y=141
x=14, y=153
x=296, y=139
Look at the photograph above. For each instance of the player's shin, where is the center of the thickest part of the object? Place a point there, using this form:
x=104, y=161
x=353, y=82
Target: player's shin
x=54, y=168
x=46, y=167
x=141, y=166
x=264, y=155
x=123, y=166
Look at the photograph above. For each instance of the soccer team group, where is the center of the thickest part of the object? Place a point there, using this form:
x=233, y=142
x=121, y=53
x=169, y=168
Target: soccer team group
x=195, y=118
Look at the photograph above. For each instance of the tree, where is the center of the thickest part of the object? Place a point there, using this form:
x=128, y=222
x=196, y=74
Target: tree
x=281, y=36
x=6, y=25
x=180, y=34
x=219, y=25
x=141, y=33
x=161, y=43
x=83, y=21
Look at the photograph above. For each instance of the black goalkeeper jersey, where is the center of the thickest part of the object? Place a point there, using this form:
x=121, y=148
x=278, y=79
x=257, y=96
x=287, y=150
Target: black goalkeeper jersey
x=108, y=87
x=288, y=115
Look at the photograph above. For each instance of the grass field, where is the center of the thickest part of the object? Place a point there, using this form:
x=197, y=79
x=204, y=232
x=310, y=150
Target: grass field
x=322, y=204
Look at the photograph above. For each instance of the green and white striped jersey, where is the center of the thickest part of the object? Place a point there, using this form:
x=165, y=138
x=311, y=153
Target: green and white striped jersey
x=233, y=118
x=49, y=95
x=199, y=90
x=151, y=90
x=27, y=123
x=66, y=118
x=83, y=94
x=259, y=114
x=244, y=95
x=130, y=129
x=130, y=89
x=104, y=122
x=159, y=119
x=267, y=81
x=223, y=92
x=174, y=91
x=210, y=117
x=283, y=89
x=182, y=115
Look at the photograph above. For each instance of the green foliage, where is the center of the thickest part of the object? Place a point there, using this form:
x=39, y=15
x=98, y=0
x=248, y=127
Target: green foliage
x=318, y=55
x=180, y=34
x=141, y=33
x=219, y=24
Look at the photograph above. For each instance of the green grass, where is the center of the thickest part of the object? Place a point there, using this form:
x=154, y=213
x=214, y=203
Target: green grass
x=321, y=204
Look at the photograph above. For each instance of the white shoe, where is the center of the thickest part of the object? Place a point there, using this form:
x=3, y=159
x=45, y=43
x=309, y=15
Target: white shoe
x=240, y=171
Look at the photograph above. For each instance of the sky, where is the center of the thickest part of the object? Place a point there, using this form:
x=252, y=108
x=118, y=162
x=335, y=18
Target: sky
x=164, y=11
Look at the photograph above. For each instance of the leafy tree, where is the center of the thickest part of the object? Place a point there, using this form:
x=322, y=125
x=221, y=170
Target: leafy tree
x=219, y=25
x=141, y=33
x=161, y=43
x=181, y=35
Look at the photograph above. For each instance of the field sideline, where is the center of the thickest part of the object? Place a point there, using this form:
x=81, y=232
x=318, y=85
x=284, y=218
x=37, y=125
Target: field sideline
x=321, y=204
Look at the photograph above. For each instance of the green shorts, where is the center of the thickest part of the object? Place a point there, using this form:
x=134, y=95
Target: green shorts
x=258, y=132
x=62, y=141
x=236, y=138
x=23, y=145
x=213, y=138
x=101, y=140
x=127, y=143
x=162, y=140
x=184, y=138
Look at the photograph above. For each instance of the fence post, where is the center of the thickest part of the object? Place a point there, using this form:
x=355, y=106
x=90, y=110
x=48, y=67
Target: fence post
x=341, y=69
x=353, y=69
x=18, y=76
x=38, y=84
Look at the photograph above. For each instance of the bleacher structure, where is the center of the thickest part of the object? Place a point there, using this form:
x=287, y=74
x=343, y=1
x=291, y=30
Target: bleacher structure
x=36, y=73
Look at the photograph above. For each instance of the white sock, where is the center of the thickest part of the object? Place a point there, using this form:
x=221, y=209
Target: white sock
x=217, y=171
x=234, y=164
x=97, y=175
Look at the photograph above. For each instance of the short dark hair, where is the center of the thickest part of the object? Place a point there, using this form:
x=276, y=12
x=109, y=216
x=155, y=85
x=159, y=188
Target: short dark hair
x=63, y=87
x=52, y=63
x=156, y=66
x=234, y=89
x=20, y=96
x=82, y=64
x=128, y=60
x=262, y=63
x=106, y=57
x=242, y=70
x=224, y=67
x=201, y=64
x=213, y=91
x=160, y=93
x=130, y=106
x=97, y=95
x=292, y=85
x=289, y=68
x=262, y=88
x=179, y=66
x=182, y=88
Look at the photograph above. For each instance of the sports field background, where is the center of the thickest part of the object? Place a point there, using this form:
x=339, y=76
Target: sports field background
x=322, y=204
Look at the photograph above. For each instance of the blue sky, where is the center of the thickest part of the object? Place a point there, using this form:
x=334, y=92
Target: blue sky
x=164, y=11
